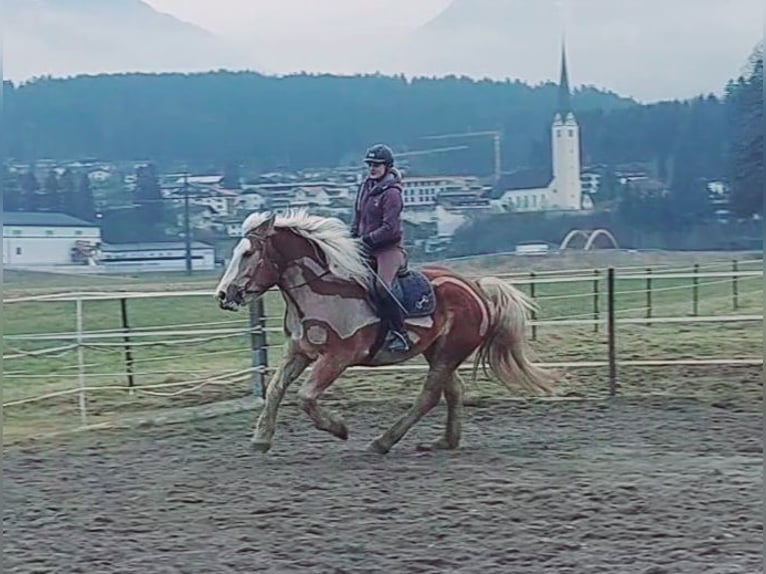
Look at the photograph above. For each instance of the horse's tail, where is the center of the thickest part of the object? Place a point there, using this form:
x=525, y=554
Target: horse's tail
x=505, y=348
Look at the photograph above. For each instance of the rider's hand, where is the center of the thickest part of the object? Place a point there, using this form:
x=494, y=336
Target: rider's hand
x=367, y=243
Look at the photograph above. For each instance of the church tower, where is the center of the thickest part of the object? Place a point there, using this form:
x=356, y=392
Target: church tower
x=565, y=140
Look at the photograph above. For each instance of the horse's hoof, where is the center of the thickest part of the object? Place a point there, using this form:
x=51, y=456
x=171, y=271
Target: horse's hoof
x=260, y=445
x=439, y=444
x=377, y=448
x=341, y=432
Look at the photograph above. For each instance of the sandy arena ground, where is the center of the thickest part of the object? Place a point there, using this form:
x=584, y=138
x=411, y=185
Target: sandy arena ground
x=649, y=486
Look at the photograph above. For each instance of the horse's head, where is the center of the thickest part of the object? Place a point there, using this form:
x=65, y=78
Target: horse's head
x=252, y=270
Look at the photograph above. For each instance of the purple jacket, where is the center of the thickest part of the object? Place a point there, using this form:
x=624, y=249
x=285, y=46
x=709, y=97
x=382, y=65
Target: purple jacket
x=377, y=214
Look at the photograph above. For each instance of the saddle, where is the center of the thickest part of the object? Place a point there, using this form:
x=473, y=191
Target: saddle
x=414, y=292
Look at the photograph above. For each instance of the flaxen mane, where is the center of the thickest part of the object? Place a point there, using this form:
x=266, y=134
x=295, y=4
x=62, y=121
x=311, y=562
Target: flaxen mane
x=343, y=253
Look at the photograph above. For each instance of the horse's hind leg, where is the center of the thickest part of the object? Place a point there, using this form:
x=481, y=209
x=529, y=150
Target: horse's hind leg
x=427, y=399
x=322, y=376
x=453, y=395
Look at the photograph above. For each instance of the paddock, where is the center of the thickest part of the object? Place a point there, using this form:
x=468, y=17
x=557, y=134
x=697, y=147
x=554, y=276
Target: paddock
x=625, y=485
x=660, y=476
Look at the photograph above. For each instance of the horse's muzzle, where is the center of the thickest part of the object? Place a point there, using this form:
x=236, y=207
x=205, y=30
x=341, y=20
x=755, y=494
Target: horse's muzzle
x=231, y=299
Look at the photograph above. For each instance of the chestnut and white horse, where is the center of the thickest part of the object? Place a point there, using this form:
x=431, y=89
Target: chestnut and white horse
x=331, y=322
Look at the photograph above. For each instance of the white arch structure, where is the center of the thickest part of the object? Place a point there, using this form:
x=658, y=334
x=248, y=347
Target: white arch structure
x=589, y=236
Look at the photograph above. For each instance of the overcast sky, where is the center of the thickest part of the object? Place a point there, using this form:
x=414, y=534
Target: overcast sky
x=649, y=49
x=282, y=36
x=242, y=17
x=329, y=28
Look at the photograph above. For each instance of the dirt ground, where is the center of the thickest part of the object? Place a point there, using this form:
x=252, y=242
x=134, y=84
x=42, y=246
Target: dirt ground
x=650, y=486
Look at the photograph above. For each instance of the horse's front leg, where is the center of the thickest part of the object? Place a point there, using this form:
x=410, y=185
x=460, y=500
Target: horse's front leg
x=290, y=370
x=323, y=374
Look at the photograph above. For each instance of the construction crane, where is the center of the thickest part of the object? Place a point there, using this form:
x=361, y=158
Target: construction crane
x=430, y=151
x=496, y=135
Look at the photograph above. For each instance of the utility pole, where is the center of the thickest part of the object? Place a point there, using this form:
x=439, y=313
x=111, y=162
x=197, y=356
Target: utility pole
x=498, y=156
x=187, y=226
x=430, y=151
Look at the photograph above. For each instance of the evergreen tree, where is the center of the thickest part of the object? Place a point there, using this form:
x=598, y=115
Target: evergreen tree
x=67, y=193
x=31, y=198
x=51, y=195
x=13, y=199
x=84, y=204
x=609, y=186
x=745, y=151
x=232, y=179
x=148, y=197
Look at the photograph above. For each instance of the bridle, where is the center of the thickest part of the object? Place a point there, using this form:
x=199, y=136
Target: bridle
x=266, y=260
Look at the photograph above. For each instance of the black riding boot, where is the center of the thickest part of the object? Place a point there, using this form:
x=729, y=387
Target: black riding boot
x=397, y=339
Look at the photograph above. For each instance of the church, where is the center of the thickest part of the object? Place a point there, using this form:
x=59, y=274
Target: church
x=557, y=188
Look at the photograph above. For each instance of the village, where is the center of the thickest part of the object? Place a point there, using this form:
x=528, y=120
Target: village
x=209, y=207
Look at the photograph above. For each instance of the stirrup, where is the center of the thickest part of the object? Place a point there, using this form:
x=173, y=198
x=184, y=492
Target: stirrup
x=398, y=341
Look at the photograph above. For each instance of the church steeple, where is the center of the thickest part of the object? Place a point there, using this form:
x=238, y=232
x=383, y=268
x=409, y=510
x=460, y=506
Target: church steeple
x=566, y=191
x=564, y=106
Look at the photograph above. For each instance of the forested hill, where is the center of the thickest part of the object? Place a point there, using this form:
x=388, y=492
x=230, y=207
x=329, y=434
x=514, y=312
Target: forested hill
x=301, y=121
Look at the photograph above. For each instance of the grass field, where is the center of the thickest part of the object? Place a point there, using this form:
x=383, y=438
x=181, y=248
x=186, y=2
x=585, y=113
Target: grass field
x=176, y=370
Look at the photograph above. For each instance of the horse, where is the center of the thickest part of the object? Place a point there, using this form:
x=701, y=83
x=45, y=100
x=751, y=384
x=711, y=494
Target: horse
x=331, y=323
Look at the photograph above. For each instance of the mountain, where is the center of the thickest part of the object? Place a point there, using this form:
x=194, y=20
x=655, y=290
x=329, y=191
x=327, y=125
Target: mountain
x=69, y=37
x=647, y=49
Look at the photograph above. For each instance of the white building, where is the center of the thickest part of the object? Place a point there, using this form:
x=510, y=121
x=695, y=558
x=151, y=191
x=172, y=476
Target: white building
x=560, y=187
x=100, y=175
x=310, y=197
x=424, y=191
x=45, y=239
x=156, y=256
x=590, y=181
x=223, y=203
x=251, y=200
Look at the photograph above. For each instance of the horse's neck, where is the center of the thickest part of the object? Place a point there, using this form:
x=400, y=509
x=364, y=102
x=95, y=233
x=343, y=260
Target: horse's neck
x=307, y=279
x=312, y=294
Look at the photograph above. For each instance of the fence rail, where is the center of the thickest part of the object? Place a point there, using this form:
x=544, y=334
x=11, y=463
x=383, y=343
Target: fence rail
x=519, y=278
x=254, y=327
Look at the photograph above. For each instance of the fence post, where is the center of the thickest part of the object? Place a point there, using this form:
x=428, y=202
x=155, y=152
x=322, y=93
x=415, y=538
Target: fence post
x=532, y=295
x=648, y=294
x=126, y=339
x=611, y=332
x=258, y=347
x=734, y=285
x=596, y=313
x=81, y=362
x=695, y=291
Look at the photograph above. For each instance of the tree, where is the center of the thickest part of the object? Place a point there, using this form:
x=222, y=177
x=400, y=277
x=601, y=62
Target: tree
x=84, y=204
x=51, y=196
x=745, y=151
x=67, y=193
x=232, y=178
x=148, y=198
x=30, y=191
x=13, y=198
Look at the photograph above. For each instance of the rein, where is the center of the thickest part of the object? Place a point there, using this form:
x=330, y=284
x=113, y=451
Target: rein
x=268, y=245
x=289, y=287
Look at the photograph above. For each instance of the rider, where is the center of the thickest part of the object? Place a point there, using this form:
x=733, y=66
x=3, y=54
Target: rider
x=377, y=221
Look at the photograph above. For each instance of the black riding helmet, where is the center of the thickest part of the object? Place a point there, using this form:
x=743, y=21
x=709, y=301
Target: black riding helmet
x=380, y=153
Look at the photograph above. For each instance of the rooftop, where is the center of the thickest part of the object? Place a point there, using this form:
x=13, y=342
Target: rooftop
x=522, y=179
x=43, y=219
